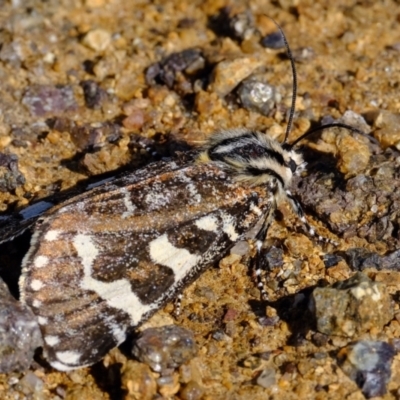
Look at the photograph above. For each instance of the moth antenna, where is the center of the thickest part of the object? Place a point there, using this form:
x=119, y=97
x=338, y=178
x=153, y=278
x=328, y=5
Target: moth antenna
x=287, y=146
x=294, y=75
x=333, y=125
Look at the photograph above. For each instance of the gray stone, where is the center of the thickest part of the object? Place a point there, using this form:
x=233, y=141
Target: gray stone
x=351, y=307
x=19, y=333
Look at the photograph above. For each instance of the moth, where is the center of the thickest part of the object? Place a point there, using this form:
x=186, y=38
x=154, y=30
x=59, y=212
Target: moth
x=102, y=262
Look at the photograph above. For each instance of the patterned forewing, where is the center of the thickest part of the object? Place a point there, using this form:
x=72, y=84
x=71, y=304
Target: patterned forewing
x=101, y=265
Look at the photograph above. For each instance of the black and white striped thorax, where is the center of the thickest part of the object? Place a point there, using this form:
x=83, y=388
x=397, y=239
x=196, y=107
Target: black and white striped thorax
x=254, y=158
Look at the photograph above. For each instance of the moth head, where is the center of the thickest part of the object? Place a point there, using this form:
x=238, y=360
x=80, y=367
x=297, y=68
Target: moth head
x=253, y=157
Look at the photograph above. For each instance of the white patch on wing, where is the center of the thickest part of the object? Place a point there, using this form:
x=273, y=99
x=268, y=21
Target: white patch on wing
x=68, y=357
x=207, y=223
x=40, y=261
x=117, y=294
x=36, y=303
x=196, y=197
x=52, y=340
x=179, y=260
x=156, y=200
x=130, y=207
x=62, y=367
x=254, y=209
x=118, y=333
x=36, y=284
x=229, y=226
x=52, y=235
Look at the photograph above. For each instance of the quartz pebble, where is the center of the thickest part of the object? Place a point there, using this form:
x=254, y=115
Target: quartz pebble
x=267, y=378
x=256, y=95
x=97, y=39
x=165, y=348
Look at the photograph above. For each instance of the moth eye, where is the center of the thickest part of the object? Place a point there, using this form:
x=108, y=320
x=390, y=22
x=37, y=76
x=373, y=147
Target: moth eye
x=292, y=165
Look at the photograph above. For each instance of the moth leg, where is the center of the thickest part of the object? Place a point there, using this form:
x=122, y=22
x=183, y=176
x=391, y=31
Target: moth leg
x=259, y=263
x=177, y=305
x=300, y=213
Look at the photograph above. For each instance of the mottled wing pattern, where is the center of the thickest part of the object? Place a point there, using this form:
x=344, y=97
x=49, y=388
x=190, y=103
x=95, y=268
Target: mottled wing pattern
x=104, y=261
x=13, y=225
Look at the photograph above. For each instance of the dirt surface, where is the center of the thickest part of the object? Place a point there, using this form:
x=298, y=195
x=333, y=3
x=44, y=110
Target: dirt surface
x=77, y=99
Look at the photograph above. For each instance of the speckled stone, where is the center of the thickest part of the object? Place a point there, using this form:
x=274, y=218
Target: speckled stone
x=10, y=176
x=351, y=307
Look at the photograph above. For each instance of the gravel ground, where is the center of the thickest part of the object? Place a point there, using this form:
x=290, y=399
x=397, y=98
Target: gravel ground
x=88, y=87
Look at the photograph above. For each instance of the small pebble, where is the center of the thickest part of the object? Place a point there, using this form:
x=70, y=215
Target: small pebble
x=165, y=348
x=192, y=391
x=303, y=54
x=138, y=381
x=273, y=41
x=97, y=39
x=353, y=152
x=331, y=260
x=93, y=136
x=368, y=363
x=274, y=257
x=267, y=378
x=242, y=25
x=30, y=384
x=93, y=94
x=10, y=176
x=135, y=120
x=387, y=128
x=189, y=61
x=257, y=96
x=168, y=385
x=228, y=74
x=48, y=100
